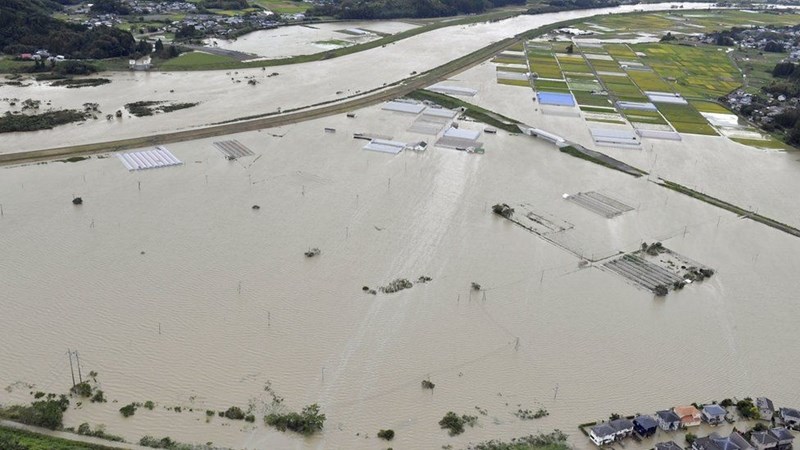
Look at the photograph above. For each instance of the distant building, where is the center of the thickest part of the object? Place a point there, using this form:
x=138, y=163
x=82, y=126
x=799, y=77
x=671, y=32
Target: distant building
x=140, y=64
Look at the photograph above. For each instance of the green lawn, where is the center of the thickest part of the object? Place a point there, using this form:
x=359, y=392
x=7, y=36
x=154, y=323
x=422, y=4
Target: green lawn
x=194, y=61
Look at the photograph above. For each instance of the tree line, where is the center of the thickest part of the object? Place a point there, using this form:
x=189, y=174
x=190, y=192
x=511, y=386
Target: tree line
x=26, y=25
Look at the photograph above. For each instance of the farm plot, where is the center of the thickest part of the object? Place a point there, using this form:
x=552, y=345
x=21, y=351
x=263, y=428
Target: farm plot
x=686, y=119
x=544, y=65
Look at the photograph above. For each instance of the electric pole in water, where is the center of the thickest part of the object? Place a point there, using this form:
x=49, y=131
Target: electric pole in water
x=80, y=377
x=71, y=370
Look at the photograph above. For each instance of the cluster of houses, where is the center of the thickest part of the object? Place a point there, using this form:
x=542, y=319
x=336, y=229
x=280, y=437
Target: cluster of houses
x=683, y=417
x=41, y=55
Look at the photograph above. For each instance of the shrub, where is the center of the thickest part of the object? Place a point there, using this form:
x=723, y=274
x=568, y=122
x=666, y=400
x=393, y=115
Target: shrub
x=98, y=397
x=455, y=424
x=150, y=441
x=690, y=438
x=43, y=413
x=386, y=434
x=149, y=405
x=747, y=409
x=250, y=418
x=308, y=422
x=427, y=384
x=209, y=413
x=235, y=413
x=128, y=410
x=726, y=403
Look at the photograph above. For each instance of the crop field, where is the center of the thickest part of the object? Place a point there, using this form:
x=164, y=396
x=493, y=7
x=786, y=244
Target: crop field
x=649, y=81
x=686, y=119
x=551, y=86
x=650, y=117
x=524, y=83
x=283, y=6
x=588, y=99
x=709, y=107
x=684, y=21
x=517, y=69
x=546, y=66
x=697, y=71
x=194, y=59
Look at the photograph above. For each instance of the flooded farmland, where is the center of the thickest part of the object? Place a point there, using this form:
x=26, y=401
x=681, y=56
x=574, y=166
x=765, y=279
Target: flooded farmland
x=182, y=294
x=176, y=290
x=284, y=42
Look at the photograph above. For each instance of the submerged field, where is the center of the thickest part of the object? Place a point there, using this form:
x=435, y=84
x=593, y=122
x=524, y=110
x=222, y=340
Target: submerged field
x=189, y=286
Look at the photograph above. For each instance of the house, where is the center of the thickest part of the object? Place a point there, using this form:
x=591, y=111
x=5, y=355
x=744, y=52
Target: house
x=784, y=437
x=669, y=445
x=26, y=56
x=645, y=426
x=690, y=416
x=668, y=420
x=713, y=414
x=714, y=441
x=140, y=64
x=602, y=434
x=624, y=427
x=765, y=408
x=608, y=432
x=763, y=440
x=790, y=417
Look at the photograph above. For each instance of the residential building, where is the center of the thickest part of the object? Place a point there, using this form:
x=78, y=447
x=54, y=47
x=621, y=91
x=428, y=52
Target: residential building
x=713, y=414
x=669, y=445
x=763, y=440
x=623, y=427
x=714, y=441
x=690, y=416
x=668, y=420
x=645, y=426
x=602, y=434
x=765, y=408
x=784, y=437
x=790, y=417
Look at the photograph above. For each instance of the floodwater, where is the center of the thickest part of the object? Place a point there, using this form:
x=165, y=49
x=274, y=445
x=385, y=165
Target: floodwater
x=226, y=95
x=296, y=40
x=176, y=291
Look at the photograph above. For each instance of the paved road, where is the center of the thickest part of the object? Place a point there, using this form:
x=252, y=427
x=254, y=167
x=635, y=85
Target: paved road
x=71, y=436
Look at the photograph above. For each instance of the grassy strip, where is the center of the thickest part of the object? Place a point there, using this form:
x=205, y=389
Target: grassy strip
x=731, y=207
x=35, y=441
x=475, y=112
x=601, y=159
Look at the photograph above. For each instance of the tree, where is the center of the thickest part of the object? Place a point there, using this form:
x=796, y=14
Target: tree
x=690, y=438
x=570, y=49
x=667, y=37
x=783, y=69
x=774, y=47
x=159, y=47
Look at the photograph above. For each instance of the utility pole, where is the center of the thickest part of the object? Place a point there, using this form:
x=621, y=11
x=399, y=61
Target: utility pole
x=71, y=370
x=80, y=377
x=556, y=393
